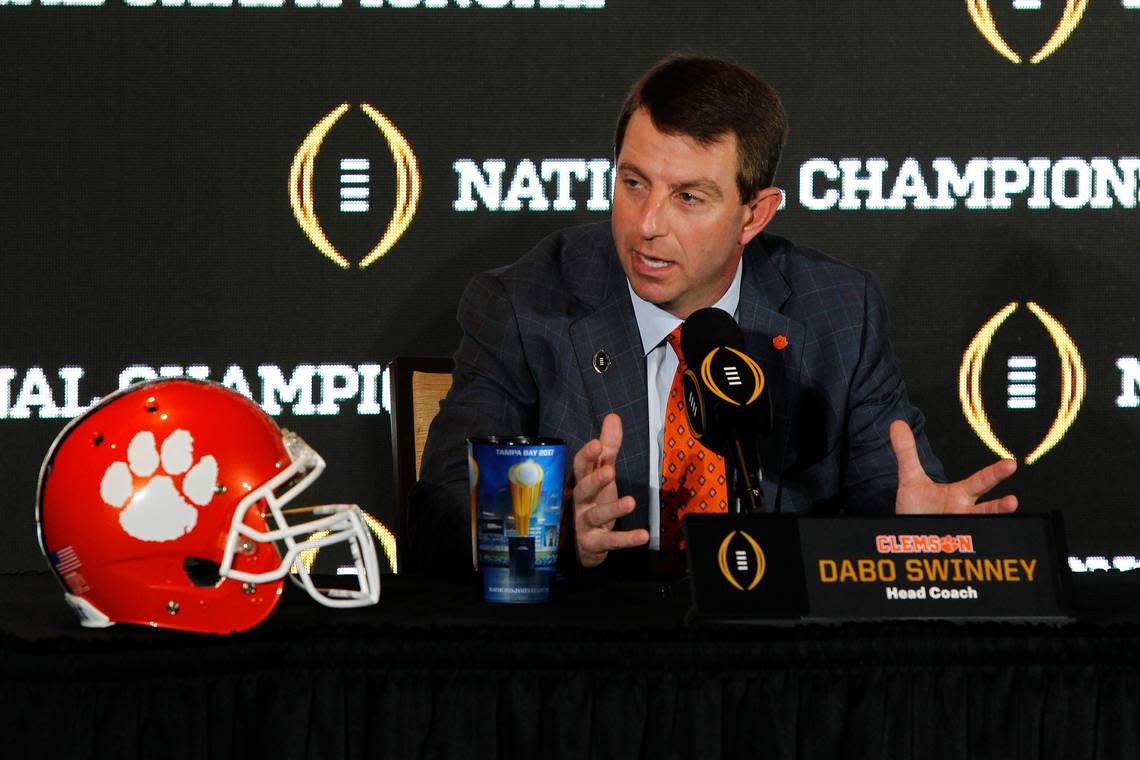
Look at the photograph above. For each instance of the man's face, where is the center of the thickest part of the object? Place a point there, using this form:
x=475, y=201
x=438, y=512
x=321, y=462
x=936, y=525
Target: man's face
x=678, y=220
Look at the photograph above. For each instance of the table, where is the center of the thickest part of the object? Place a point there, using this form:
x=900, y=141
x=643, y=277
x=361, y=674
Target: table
x=608, y=669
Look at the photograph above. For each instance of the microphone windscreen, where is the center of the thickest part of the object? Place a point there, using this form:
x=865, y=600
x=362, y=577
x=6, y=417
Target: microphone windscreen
x=706, y=329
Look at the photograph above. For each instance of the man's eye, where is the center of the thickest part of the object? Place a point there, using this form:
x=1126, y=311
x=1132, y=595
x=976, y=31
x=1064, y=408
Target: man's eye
x=689, y=198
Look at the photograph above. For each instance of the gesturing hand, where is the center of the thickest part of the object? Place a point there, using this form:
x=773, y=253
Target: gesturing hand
x=918, y=494
x=596, y=501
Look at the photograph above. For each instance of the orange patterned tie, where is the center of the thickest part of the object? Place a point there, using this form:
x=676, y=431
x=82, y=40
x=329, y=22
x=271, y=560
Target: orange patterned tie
x=692, y=477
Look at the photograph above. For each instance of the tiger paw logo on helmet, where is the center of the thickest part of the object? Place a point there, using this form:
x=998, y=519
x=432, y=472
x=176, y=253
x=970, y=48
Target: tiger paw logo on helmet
x=157, y=511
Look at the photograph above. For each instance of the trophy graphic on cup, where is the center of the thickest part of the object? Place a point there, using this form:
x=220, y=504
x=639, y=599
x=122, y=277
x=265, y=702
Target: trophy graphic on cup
x=525, y=480
x=515, y=522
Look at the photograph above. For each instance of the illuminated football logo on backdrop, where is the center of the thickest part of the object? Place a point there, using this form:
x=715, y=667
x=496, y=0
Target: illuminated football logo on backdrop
x=984, y=20
x=301, y=186
x=1022, y=373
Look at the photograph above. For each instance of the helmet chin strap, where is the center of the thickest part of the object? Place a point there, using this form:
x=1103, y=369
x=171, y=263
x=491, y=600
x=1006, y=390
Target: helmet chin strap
x=332, y=524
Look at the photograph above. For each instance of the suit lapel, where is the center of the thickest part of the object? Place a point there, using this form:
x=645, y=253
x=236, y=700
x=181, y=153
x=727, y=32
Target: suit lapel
x=612, y=328
x=763, y=292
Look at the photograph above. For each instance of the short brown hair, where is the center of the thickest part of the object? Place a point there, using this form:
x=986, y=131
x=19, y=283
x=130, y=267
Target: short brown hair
x=705, y=99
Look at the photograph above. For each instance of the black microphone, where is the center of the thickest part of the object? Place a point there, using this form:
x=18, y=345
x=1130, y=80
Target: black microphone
x=725, y=403
x=706, y=329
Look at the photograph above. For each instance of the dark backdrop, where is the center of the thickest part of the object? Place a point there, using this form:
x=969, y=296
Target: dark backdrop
x=146, y=218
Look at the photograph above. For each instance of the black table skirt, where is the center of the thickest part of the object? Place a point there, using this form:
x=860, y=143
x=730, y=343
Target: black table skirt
x=606, y=670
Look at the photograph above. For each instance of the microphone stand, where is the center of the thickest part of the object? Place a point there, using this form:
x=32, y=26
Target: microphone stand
x=744, y=475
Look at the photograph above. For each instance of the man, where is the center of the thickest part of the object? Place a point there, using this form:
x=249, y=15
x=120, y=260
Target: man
x=570, y=341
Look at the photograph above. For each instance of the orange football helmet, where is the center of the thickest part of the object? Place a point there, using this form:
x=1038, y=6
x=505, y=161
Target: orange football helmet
x=165, y=505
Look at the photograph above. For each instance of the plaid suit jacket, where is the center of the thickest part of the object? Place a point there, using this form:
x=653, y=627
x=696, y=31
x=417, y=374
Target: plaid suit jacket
x=525, y=366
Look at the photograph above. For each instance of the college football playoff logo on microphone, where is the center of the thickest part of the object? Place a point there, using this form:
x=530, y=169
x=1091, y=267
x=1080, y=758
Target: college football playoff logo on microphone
x=983, y=18
x=732, y=375
x=356, y=176
x=1026, y=376
x=722, y=383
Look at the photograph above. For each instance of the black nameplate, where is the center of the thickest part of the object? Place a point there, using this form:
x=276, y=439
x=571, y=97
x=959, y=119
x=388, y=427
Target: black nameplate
x=787, y=567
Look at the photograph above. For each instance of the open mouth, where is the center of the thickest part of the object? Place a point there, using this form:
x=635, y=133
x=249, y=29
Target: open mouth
x=652, y=263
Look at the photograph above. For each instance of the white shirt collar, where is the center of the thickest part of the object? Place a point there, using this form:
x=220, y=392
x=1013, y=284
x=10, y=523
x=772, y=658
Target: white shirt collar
x=654, y=323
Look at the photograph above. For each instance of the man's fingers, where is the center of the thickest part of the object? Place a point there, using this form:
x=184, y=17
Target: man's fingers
x=902, y=441
x=601, y=515
x=603, y=541
x=627, y=539
x=586, y=459
x=600, y=451
x=984, y=480
x=596, y=503
x=917, y=494
x=610, y=438
x=996, y=506
x=587, y=488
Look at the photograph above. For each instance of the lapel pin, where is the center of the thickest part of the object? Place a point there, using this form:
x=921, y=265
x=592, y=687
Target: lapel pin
x=780, y=342
x=601, y=361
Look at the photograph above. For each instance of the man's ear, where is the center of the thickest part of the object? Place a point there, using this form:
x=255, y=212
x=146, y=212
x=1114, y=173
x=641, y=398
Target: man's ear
x=760, y=210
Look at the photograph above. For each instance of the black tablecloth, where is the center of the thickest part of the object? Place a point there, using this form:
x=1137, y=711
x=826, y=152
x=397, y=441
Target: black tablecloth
x=608, y=669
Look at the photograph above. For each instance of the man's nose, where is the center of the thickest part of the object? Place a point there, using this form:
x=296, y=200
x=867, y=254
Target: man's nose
x=653, y=217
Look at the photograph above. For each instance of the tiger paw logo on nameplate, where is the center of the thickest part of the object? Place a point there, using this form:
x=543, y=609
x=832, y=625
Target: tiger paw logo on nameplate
x=363, y=192
x=161, y=508
x=1027, y=22
x=741, y=560
x=1022, y=382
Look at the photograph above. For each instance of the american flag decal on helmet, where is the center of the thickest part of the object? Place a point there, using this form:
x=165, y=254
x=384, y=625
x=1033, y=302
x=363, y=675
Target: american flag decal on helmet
x=67, y=564
x=65, y=560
